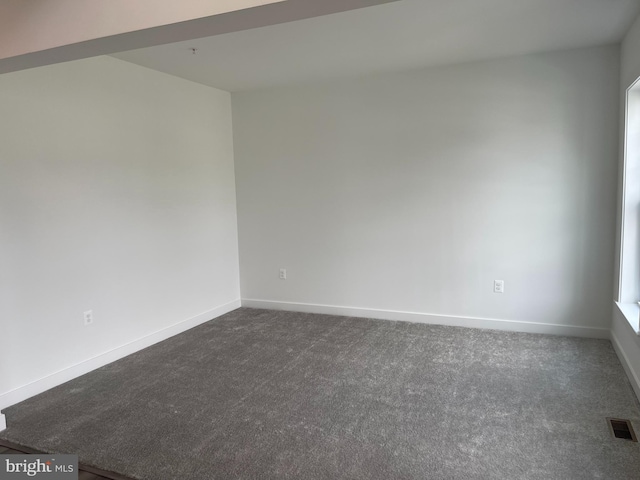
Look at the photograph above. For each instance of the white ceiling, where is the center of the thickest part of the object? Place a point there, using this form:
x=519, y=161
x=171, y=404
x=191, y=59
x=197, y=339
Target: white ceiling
x=402, y=35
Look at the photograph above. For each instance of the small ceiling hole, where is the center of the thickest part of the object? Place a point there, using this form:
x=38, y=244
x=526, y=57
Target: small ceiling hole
x=622, y=429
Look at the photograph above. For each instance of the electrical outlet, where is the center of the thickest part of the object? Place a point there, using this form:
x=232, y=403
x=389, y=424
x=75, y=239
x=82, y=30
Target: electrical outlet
x=88, y=317
x=283, y=274
x=498, y=286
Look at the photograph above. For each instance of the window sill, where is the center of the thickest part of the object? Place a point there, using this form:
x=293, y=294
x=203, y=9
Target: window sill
x=631, y=312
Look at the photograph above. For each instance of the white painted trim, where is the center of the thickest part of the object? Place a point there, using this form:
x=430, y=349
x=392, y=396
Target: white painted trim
x=3, y=422
x=623, y=203
x=34, y=388
x=431, y=318
x=631, y=312
x=632, y=374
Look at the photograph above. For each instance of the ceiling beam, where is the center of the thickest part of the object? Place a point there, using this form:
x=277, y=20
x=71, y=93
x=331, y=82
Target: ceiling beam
x=31, y=38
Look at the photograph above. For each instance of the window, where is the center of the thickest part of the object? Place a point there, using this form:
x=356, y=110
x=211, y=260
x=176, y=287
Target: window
x=629, y=280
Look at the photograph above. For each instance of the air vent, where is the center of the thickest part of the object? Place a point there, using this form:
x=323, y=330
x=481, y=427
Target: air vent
x=622, y=429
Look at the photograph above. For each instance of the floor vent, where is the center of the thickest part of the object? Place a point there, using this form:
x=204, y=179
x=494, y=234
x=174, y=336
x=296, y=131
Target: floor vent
x=622, y=429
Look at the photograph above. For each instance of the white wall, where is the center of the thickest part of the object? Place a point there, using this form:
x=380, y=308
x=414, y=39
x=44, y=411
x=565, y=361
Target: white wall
x=117, y=194
x=413, y=191
x=625, y=340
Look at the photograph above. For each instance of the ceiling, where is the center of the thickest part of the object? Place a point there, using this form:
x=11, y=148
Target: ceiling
x=401, y=35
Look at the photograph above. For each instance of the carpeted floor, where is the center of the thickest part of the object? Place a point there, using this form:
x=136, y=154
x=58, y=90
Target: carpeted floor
x=260, y=394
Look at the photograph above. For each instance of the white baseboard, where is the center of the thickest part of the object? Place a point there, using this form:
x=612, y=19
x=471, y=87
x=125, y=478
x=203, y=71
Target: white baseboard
x=632, y=373
x=3, y=422
x=57, y=378
x=450, y=320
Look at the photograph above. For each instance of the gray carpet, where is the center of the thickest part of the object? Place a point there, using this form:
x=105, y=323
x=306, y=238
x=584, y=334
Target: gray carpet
x=261, y=394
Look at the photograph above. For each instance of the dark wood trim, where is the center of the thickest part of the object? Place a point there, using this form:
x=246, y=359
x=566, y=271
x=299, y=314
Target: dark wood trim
x=103, y=473
x=19, y=448
x=81, y=466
